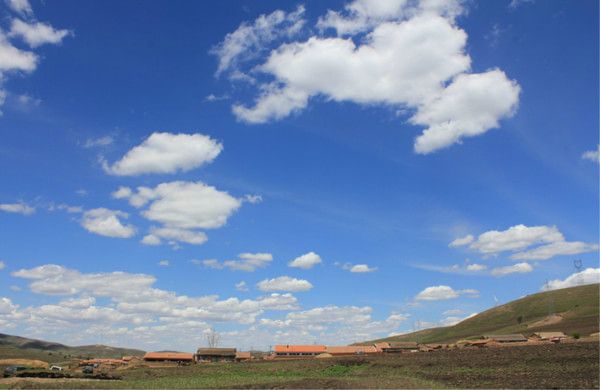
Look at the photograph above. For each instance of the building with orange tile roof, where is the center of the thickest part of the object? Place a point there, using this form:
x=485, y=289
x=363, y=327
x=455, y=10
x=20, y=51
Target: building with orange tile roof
x=351, y=350
x=295, y=351
x=169, y=357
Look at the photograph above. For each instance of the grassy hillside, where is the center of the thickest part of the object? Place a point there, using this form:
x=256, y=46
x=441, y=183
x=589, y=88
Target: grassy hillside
x=570, y=310
x=24, y=348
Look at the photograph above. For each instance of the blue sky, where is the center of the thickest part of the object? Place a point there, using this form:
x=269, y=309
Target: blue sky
x=421, y=160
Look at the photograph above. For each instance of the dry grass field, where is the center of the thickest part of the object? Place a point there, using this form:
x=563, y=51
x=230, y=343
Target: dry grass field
x=569, y=365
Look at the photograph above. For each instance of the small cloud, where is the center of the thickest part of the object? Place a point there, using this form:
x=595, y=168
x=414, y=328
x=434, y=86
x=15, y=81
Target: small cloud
x=18, y=208
x=241, y=286
x=462, y=241
x=438, y=293
x=98, y=142
x=284, y=283
x=215, y=98
x=306, y=261
x=587, y=276
x=514, y=4
x=362, y=268
x=81, y=192
x=520, y=268
x=254, y=199
x=592, y=155
x=247, y=262
x=164, y=263
x=2, y=265
x=15, y=288
x=356, y=268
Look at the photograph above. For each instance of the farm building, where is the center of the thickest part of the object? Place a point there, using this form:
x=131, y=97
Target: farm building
x=549, y=336
x=179, y=357
x=108, y=362
x=295, y=351
x=216, y=354
x=351, y=350
x=243, y=356
x=399, y=347
x=507, y=338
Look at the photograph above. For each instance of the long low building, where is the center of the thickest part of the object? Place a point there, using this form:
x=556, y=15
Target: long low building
x=507, y=338
x=296, y=351
x=179, y=357
x=350, y=350
x=216, y=354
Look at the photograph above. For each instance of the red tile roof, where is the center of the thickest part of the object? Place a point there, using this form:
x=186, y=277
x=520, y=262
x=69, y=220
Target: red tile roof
x=300, y=348
x=168, y=356
x=351, y=349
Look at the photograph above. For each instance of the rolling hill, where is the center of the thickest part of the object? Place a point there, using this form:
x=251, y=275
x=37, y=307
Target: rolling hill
x=14, y=347
x=570, y=310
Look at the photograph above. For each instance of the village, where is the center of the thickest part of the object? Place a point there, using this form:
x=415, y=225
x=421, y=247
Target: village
x=289, y=351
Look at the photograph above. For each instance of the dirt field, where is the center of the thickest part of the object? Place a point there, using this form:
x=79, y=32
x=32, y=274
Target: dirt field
x=574, y=365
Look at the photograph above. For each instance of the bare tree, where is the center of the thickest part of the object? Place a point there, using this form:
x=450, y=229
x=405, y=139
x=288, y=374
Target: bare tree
x=213, y=338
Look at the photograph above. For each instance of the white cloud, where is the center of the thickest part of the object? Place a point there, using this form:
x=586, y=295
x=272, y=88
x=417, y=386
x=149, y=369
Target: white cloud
x=122, y=193
x=413, y=57
x=22, y=7
x=284, y=283
x=464, y=269
x=592, y=155
x=306, y=261
x=186, y=205
x=462, y=241
x=362, y=268
x=528, y=243
x=515, y=238
x=133, y=302
x=587, y=276
x=248, y=262
x=453, y=320
x=254, y=199
x=98, y=142
x=514, y=4
x=19, y=208
x=164, y=263
x=174, y=235
x=106, y=222
x=437, y=293
x=166, y=153
x=520, y=268
x=36, y=34
x=362, y=15
x=13, y=59
x=476, y=267
x=559, y=248
x=241, y=286
x=151, y=239
x=181, y=207
x=2, y=265
x=471, y=105
x=356, y=268
x=453, y=312
x=251, y=39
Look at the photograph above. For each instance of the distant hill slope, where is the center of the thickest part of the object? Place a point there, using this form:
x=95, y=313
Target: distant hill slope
x=25, y=348
x=570, y=310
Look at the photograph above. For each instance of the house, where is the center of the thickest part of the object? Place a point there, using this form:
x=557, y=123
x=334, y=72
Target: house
x=216, y=354
x=478, y=343
x=297, y=351
x=381, y=346
x=399, y=347
x=351, y=350
x=551, y=336
x=243, y=356
x=178, y=357
x=507, y=338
